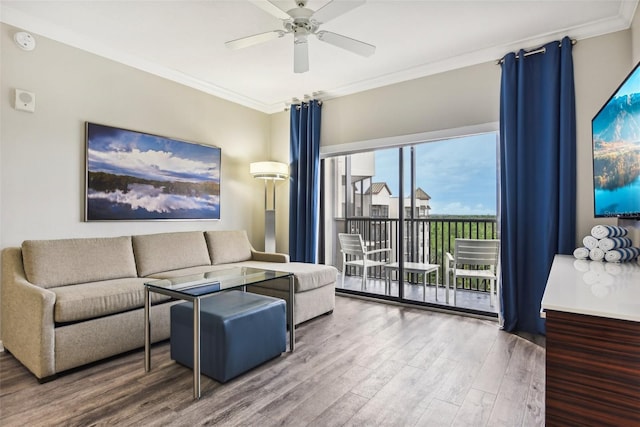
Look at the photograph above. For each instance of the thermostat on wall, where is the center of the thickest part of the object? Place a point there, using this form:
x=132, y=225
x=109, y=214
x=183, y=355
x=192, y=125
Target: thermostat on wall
x=25, y=101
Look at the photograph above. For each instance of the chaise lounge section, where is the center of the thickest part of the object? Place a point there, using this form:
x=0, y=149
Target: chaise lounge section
x=66, y=303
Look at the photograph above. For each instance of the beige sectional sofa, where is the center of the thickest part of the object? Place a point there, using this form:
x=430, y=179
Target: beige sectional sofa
x=66, y=303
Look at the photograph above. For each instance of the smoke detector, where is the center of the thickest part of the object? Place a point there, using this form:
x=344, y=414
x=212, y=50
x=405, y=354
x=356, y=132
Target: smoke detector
x=24, y=40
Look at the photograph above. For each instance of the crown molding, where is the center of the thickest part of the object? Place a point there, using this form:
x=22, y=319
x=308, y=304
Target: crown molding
x=621, y=21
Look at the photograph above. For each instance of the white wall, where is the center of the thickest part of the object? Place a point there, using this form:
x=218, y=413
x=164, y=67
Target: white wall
x=600, y=64
x=468, y=96
x=279, y=151
x=635, y=37
x=42, y=154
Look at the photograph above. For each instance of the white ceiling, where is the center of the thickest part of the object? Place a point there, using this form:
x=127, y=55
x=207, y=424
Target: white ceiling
x=184, y=40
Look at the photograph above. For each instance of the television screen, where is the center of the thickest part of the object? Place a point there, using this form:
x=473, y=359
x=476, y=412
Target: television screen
x=139, y=176
x=616, y=152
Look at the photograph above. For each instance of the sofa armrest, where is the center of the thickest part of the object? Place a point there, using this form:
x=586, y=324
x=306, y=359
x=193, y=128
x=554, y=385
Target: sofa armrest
x=27, y=317
x=268, y=256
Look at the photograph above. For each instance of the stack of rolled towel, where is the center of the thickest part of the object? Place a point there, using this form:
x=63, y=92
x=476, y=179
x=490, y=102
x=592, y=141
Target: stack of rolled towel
x=608, y=243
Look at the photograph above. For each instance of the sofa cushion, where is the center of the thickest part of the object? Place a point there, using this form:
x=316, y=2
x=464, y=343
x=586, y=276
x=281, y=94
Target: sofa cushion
x=228, y=246
x=51, y=263
x=169, y=251
x=97, y=299
x=307, y=276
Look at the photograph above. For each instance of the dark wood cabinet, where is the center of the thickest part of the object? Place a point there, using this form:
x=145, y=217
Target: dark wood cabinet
x=592, y=371
x=593, y=343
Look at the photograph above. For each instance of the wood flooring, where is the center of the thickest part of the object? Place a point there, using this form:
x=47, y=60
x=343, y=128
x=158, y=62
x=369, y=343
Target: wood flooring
x=367, y=364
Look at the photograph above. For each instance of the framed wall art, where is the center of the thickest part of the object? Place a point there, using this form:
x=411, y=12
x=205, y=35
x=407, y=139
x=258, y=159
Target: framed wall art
x=139, y=176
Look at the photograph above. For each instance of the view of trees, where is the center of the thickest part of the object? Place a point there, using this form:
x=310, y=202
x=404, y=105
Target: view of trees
x=444, y=230
x=106, y=182
x=615, y=164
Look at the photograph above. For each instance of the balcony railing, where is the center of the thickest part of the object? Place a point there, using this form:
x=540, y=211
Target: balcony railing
x=426, y=240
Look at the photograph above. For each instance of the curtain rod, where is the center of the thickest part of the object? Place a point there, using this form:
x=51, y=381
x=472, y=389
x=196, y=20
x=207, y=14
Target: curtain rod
x=534, y=52
x=315, y=96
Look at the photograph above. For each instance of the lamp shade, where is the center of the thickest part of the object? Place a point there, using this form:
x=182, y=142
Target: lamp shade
x=269, y=170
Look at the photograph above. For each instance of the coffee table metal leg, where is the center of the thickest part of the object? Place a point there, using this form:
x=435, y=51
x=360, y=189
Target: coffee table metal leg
x=292, y=326
x=147, y=331
x=196, y=348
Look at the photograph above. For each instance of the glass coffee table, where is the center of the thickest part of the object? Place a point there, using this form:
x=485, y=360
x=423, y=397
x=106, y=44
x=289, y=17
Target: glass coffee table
x=203, y=285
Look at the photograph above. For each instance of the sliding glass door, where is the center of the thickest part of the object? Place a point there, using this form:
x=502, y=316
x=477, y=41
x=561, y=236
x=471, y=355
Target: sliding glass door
x=409, y=204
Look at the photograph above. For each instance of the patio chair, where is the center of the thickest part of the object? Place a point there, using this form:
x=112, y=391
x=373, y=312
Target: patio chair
x=353, y=245
x=474, y=259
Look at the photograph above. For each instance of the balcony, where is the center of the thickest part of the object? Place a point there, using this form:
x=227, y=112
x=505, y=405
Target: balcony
x=425, y=240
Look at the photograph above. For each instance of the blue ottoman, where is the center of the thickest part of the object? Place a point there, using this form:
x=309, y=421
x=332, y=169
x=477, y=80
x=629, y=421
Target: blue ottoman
x=238, y=331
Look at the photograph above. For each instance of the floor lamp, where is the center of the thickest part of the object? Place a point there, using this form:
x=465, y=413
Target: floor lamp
x=270, y=172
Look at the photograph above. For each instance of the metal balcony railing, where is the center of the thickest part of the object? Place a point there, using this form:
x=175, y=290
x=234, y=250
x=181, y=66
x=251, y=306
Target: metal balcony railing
x=426, y=240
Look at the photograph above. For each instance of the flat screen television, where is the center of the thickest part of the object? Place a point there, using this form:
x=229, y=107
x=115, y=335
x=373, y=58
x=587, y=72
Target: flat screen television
x=616, y=152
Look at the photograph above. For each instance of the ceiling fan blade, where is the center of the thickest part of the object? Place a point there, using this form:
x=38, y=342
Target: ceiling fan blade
x=255, y=39
x=347, y=43
x=300, y=54
x=333, y=9
x=271, y=9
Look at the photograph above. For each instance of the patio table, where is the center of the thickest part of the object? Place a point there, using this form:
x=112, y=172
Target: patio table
x=412, y=267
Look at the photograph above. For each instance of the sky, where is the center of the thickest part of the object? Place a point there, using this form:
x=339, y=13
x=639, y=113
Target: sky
x=142, y=155
x=459, y=174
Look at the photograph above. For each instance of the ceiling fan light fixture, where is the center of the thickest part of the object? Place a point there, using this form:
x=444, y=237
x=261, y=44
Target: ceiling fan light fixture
x=300, y=54
x=301, y=22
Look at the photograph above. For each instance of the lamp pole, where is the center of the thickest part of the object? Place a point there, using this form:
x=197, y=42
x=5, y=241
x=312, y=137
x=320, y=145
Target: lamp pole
x=269, y=171
x=269, y=217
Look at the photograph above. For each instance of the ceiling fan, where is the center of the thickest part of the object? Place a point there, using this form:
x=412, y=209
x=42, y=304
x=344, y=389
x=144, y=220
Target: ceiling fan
x=301, y=22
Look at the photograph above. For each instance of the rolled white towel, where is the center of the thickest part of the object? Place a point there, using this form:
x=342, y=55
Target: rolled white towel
x=596, y=254
x=602, y=231
x=590, y=242
x=609, y=243
x=622, y=254
x=581, y=253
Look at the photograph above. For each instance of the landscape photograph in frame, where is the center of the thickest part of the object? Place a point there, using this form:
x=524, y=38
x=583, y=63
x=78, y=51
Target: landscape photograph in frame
x=139, y=176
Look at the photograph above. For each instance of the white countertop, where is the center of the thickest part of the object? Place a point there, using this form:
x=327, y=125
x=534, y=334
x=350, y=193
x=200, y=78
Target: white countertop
x=593, y=288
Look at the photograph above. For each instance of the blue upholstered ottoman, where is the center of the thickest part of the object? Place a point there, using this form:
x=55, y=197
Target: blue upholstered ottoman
x=238, y=331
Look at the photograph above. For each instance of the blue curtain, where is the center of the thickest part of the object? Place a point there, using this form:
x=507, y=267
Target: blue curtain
x=305, y=182
x=538, y=177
